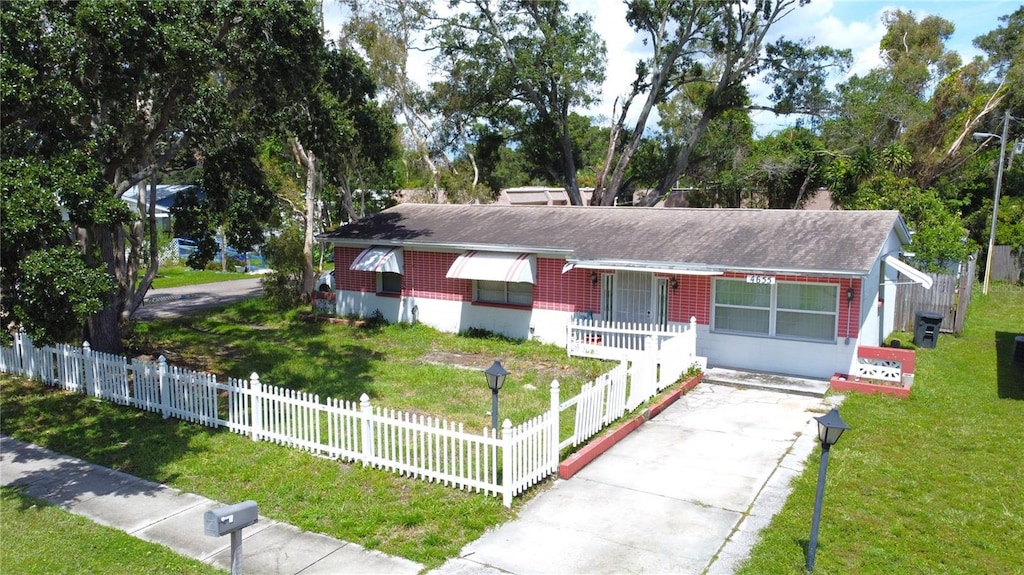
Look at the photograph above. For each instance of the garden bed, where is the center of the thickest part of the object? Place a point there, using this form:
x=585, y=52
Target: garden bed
x=841, y=382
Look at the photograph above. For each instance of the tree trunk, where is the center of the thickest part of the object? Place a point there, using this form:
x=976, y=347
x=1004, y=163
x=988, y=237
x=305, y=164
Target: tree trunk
x=308, y=161
x=682, y=161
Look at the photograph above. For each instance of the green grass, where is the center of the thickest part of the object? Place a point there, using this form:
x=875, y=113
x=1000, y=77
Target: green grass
x=931, y=484
x=411, y=518
x=411, y=368
x=177, y=276
x=40, y=538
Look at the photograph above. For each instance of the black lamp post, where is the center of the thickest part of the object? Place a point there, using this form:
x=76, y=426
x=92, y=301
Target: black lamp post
x=830, y=427
x=495, y=379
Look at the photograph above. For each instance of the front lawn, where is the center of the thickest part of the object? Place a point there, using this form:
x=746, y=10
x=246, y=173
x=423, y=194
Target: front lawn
x=408, y=367
x=411, y=368
x=177, y=276
x=929, y=484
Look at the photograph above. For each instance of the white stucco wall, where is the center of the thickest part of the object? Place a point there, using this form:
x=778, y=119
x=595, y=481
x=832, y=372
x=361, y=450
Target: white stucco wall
x=456, y=316
x=790, y=357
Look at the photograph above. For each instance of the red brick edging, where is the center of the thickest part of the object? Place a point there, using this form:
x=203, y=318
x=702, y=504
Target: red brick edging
x=581, y=458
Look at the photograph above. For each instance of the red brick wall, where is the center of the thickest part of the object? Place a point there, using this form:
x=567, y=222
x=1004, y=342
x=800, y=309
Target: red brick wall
x=424, y=277
x=691, y=299
x=345, y=279
x=570, y=291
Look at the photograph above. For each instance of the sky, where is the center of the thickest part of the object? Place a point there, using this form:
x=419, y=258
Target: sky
x=846, y=24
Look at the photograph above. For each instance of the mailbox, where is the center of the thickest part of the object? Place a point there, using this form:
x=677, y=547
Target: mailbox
x=230, y=519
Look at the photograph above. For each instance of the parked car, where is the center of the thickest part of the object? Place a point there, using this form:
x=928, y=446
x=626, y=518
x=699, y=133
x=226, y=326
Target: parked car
x=325, y=282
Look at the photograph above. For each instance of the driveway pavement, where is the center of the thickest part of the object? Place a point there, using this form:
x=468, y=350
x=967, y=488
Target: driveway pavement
x=685, y=493
x=176, y=302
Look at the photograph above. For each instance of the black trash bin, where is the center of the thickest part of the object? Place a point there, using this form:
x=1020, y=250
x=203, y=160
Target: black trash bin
x=926, y=328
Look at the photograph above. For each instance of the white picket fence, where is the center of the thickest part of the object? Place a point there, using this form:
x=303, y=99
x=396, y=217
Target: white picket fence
x=429, y=448
x=618, y=340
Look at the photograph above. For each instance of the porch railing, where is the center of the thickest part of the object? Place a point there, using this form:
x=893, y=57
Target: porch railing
x=619, y=340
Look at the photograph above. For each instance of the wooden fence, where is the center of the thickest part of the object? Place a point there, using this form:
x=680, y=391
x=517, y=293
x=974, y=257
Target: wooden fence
x=949, y=295
x=504, y=463
x=1006, y=264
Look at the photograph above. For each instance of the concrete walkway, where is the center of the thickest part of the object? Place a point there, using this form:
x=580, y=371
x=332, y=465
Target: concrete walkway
x=172, y=518
x=685, y=493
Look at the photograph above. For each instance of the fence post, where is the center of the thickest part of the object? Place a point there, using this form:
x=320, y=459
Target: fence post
x=507, y=461
x=256, y=397
x=556, y=405
x=90, y=369
x=366, y=438
x=161, y=381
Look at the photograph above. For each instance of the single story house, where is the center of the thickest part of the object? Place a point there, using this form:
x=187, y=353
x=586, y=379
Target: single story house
x=784, y=291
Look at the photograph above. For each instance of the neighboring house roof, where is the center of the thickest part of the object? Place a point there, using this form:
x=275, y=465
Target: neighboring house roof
x=673, y=239
x=541, y=196
x=166, y=196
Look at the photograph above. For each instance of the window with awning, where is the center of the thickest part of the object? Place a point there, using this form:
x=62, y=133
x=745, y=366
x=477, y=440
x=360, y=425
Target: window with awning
x=381, y=259
x=495, y=267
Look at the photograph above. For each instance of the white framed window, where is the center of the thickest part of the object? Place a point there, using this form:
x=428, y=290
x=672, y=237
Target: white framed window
x=389, y=283
x=789, y=310
x=511, y=293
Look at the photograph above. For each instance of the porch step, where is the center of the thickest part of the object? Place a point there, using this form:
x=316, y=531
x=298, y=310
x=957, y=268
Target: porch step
x=766, y=381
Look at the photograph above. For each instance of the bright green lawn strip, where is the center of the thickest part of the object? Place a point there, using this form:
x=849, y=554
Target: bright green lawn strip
x=412, y=518
x=177, y=276
x=931, y=484
x=39, y=538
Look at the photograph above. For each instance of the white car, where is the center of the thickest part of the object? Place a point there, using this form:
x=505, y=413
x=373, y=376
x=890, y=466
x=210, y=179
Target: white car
x=325, y=282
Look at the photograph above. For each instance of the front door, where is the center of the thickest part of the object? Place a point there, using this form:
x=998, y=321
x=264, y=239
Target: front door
x=635, y=297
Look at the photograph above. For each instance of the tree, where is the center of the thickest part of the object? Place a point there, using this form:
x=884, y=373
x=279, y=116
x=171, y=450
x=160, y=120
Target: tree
x=134, y=85
x=46, y=286
x=387, y=31
x=523, y=61
x=718, y=45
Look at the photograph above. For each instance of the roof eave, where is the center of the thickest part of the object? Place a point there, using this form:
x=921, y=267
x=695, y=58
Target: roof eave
x=450, y=246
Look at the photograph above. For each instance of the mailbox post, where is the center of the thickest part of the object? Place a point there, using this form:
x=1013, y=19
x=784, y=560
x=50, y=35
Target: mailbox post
x=231, y=520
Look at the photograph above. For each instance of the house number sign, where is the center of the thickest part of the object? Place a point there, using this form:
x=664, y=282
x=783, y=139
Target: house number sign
x=752, y=279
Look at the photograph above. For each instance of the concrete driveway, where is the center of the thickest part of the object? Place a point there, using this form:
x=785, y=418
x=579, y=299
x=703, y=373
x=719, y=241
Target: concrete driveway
x=686, y=493
x=179, y=301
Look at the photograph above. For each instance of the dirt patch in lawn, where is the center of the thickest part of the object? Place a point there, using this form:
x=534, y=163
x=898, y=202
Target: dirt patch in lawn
x=480, y=362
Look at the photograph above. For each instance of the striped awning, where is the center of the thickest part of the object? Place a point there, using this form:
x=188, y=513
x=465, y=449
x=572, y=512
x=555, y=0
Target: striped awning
x=379, y=259
x=495, y=266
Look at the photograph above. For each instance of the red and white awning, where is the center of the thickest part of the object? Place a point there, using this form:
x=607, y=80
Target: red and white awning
x=379, y=259
x=495, y=266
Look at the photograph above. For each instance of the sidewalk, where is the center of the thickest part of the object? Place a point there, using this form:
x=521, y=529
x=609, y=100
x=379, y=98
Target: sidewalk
x=157, y=513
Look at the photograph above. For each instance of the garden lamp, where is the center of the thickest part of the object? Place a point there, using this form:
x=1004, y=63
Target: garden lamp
x=495, y=379
x=830, y=428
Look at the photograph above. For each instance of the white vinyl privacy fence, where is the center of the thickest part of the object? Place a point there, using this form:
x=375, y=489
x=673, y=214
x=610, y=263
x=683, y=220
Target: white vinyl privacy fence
x=504, y=463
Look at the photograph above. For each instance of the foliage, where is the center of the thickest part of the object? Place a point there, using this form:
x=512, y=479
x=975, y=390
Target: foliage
x=283, y=286
x=135, y=87
x=522, y=64
x=705, y=52
x=48, y=287
x=895, y=501
x=940, y=237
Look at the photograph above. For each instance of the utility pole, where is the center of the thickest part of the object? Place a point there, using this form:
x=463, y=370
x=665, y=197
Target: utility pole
x=995, y=202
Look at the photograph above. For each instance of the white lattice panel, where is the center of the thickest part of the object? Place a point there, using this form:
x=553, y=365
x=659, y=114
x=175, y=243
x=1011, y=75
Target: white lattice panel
x=883, y=369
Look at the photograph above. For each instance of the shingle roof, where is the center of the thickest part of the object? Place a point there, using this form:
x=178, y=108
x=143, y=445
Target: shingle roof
x=715, y=239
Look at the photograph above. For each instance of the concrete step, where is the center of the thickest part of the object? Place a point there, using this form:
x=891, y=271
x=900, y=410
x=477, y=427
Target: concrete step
x=766, y=381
